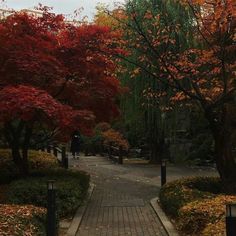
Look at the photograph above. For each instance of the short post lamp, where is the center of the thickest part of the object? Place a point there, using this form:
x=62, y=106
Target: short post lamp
x=51, y=209
x=163, y=172
x=231, y=219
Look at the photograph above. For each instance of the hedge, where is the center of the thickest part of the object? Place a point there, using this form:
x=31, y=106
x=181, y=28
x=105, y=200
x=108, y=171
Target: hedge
x=37, y=161
x=197, y=205
x=71, y=188
x=29, y=194
x=178, y=193
x=199, y=216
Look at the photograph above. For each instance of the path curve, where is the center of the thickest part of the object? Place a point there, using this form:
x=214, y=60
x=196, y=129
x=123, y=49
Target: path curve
x=120, y=202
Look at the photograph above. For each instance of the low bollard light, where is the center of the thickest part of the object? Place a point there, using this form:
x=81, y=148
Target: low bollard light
x=163, y=172
x=231, y=219
x=51, y=209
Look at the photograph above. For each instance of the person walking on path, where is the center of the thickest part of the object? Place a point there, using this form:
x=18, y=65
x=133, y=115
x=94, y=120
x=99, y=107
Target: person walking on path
x=75, y=144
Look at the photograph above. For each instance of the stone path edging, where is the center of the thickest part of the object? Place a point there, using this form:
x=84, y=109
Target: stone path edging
x=74, y=226
x=168, y=226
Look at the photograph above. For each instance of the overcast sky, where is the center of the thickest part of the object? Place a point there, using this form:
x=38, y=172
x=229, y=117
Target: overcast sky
x=59, y=6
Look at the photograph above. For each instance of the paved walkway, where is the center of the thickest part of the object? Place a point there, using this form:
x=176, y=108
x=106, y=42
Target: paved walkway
x=120, y=202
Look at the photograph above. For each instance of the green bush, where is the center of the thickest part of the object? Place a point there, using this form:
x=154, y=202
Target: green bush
x=177, y=194
x=18, y=220
x=71, y=188
x=201, y=147
x=37, y=161
x=205, y=184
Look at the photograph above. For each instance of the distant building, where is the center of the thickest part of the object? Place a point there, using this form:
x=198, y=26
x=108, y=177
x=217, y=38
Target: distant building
x=5, y=13
x=32, y=12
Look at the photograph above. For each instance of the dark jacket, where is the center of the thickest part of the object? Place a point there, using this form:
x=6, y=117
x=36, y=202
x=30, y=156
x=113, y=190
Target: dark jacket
x=75, y=143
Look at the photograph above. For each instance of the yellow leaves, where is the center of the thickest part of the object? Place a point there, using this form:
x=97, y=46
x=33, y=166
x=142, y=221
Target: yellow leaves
x=110, y=19
x=116, y=138
x=19, y=220
x=135, y=72
x=179, y=96
x=197, y=216
x=37, y=159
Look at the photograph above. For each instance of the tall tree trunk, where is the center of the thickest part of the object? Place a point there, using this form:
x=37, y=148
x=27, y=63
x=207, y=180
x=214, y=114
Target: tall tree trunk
x=25, y=149
x=19, y=160
x=223, y=155
x=223, y=130
x=15, y=150
x=13, y=134
x=156, y=140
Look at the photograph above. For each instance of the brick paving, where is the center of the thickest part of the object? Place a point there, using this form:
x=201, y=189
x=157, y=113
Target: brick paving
x=119, y=205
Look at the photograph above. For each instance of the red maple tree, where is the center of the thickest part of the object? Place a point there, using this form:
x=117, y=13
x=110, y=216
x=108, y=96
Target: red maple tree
x=45, y=63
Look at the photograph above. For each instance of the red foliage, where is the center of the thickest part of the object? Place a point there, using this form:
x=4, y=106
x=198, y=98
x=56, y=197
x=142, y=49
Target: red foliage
x=90, y=47
x=30, y=104
x=72, y=63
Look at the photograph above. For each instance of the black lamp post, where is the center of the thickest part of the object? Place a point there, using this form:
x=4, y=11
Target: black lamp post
x=163, y=172
x=231, y=219
x=51, y=209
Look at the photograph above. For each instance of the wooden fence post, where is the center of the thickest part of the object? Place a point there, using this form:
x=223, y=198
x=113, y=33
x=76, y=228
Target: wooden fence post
x=63, y=156
x=120, y=155
x=55, y=151
x=48, y=149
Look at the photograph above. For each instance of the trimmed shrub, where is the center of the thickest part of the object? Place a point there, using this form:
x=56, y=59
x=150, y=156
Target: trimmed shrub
x=195, y=216
x=116, y=138
x=37, y=161
x=178, y=193
x=215, y=229
x=22, y=220
x=195, y=205
x=205, y=184
x=71, y=188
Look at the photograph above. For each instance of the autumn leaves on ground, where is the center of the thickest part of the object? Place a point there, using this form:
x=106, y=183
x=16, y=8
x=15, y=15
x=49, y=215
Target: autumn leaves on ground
x=128, y=78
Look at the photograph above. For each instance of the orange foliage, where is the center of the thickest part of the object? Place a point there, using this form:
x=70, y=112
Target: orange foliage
x=103, y=126
x=116, y=138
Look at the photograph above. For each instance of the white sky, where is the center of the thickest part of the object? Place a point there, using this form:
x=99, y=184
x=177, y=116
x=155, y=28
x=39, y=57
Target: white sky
x=60, y=6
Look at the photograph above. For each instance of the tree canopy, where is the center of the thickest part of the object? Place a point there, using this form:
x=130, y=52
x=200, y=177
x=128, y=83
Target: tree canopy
x=55, y=73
